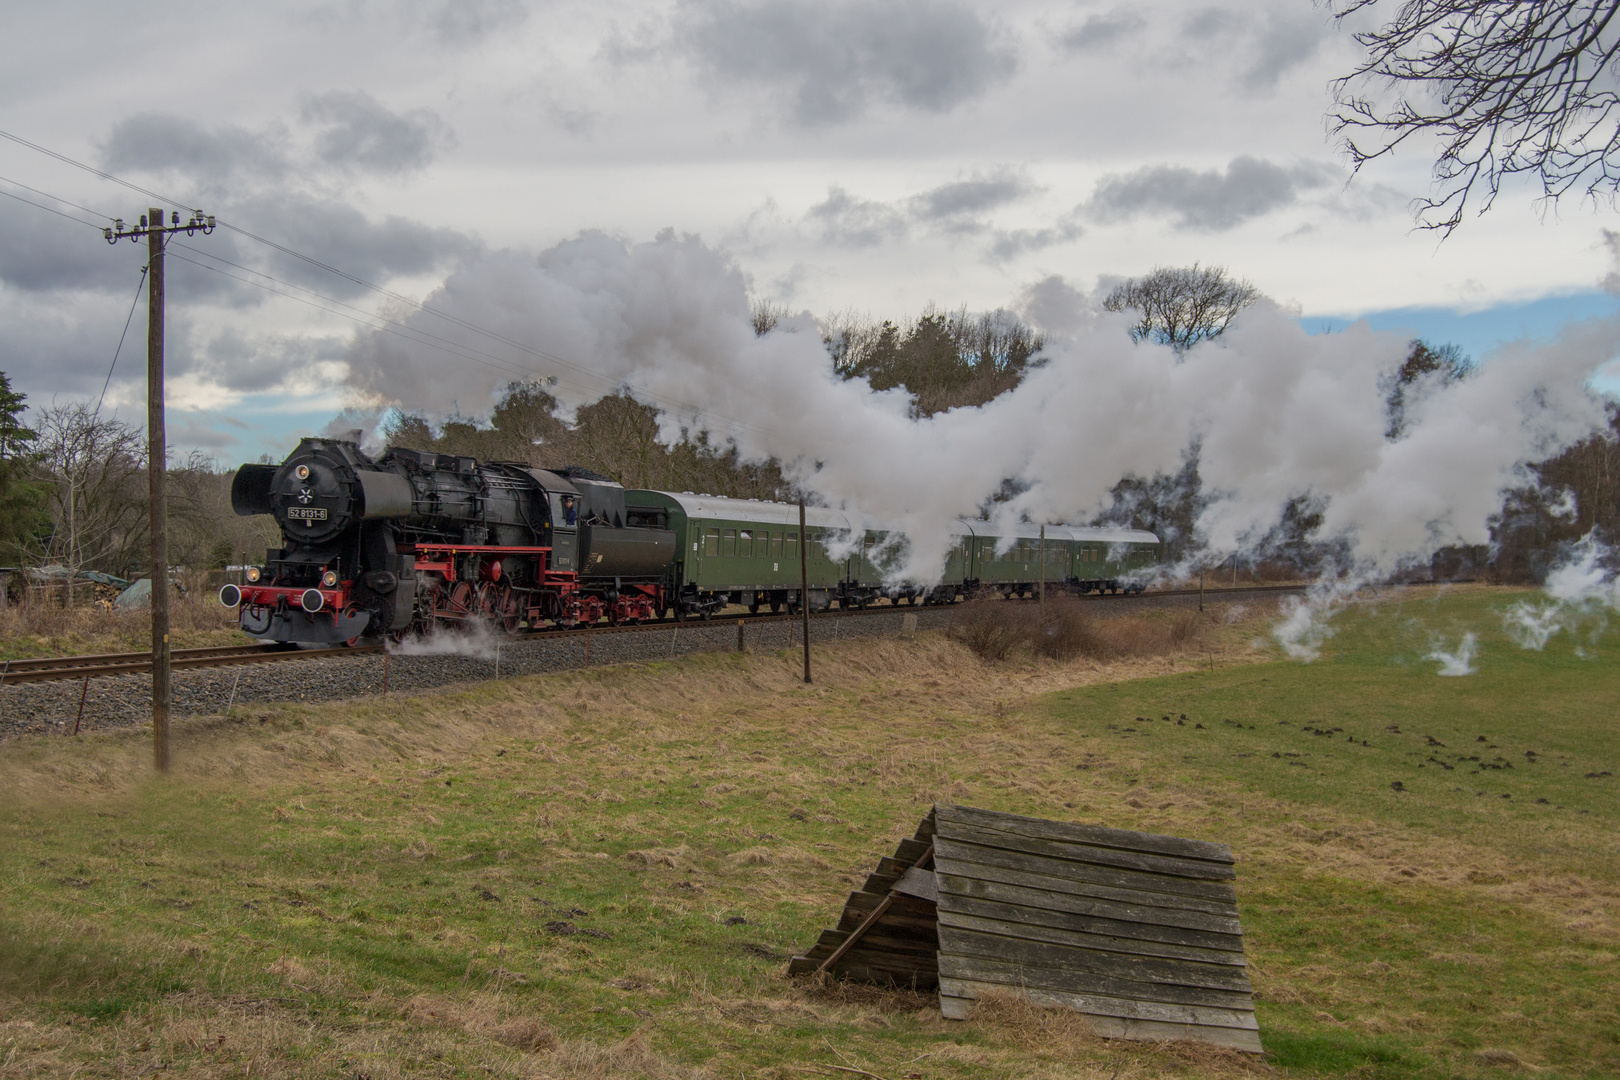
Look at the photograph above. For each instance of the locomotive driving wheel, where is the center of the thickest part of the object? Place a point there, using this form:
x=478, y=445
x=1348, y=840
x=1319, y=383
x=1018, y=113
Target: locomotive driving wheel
x=511, y=610
x=463, y=600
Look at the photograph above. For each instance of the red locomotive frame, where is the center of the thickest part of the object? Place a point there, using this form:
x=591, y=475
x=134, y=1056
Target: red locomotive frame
x=460, y=583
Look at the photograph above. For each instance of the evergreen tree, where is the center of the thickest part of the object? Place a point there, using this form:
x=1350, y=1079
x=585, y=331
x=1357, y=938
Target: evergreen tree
x=22, y=501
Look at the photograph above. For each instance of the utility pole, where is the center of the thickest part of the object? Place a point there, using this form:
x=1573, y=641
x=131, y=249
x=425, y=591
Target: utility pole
x=804, y=587
x=157, y=452
x=1042, y=593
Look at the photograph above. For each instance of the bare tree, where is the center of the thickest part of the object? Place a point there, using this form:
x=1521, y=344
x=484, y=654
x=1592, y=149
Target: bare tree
x=765, y=314
x=1507, y=87
x=96, y=470
x=1181, y=306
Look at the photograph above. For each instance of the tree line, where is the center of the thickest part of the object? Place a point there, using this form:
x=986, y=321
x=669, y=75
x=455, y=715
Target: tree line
x=74, y=493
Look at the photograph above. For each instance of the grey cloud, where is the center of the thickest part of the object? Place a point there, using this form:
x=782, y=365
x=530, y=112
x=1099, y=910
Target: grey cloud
x=463, y=22
x=1209, y=22
x=956, y=207
x=42, y=252
x=850, y=221
x=257, y=364
x=1100, y=30
x=961, y=199
x=1009, y=244
x=835, y=60
x=341, y=236
x=359, y=132
x=1210, y=200
x=1268, y=46
x=158, y=142
x=1284, y=42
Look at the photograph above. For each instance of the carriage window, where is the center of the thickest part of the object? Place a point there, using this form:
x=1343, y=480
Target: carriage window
x=790, y=545
x=776, y=545
x=728, y=543
x=745, y=543
x=711, y=542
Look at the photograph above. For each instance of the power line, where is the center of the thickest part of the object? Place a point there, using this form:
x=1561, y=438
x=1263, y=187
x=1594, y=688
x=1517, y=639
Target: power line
x=127, y=319
x=363, y=283
x=47, y=209
x=58, y=198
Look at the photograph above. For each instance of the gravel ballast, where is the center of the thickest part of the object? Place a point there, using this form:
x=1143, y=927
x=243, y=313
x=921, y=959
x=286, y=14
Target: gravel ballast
x=126, y=700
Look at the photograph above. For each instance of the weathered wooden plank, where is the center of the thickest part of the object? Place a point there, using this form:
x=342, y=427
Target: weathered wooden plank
x=910, y=851
x=917, y=925
x=1062, y=967
x=913, y=980
x=880, y=883
x=1157, y=889
x=1050, y=930
x=1089, y=922
x=965, y=878
x=978, y=941
x=866, y=901
x=879, y=939
x=962, y=978
x=1114, y=1027
x=1100, y=855
x=1097, y=835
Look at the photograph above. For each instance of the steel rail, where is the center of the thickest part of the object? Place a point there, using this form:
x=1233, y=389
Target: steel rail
x=57, y=668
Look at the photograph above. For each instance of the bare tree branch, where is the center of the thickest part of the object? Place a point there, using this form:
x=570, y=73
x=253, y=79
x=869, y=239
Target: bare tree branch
x=1507, y=87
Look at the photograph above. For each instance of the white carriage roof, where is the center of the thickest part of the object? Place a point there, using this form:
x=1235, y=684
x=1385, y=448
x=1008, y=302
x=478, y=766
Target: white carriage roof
x=1086, y=533
x=761, y=512
x=755, y=511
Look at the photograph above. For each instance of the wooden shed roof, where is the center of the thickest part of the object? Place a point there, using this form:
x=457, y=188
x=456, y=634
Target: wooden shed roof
x=1137, y=931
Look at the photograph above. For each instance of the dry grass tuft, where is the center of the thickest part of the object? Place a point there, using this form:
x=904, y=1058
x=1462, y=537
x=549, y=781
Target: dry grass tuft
x=45, y=630
x=525, y=1033
x=754, y=856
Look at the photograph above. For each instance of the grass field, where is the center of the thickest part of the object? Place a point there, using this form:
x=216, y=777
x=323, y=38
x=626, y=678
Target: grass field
x=601, y=874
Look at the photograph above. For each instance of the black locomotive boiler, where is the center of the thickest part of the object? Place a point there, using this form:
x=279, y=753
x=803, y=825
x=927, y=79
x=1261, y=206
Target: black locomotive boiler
x=413, y=540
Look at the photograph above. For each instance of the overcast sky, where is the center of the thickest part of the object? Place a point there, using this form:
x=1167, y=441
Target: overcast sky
x=874, y=155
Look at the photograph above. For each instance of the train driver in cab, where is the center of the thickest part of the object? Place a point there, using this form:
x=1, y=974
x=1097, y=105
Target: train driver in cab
x=570, y=514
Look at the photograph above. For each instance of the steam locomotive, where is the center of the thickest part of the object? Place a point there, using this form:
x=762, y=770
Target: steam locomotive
x=414, y=541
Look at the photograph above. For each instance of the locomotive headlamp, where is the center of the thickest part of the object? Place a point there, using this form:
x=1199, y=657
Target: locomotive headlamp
x=329, y=579
x=254, y=573
x=302, y=472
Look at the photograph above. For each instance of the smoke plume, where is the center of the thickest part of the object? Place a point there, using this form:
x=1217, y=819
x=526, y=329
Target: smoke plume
x=1276, y=413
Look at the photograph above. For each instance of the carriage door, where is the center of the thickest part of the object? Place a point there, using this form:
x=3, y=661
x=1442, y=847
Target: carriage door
x=564, y=538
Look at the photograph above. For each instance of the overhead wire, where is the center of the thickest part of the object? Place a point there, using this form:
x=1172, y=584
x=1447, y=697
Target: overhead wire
x=56, y=198
x=127, y=320
x=48, y=209
x=401, y=298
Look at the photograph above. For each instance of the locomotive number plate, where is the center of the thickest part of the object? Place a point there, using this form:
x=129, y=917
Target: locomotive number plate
x=306, y=513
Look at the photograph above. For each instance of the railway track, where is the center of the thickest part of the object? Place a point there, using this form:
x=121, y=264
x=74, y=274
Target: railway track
x=57, y=668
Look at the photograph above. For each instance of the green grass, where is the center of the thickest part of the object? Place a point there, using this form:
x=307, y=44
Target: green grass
x=363, y=889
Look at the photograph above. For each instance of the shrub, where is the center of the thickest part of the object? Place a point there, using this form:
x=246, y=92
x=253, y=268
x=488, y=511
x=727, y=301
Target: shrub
x=992, y=628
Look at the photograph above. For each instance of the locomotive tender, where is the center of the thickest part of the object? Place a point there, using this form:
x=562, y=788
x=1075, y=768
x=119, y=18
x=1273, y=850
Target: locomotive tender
x=413, y=541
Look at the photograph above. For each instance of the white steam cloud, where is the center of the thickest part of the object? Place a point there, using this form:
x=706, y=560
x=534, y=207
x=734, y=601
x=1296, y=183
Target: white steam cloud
x=1581, y=592
x=1277, y=413
x=1460, y=662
